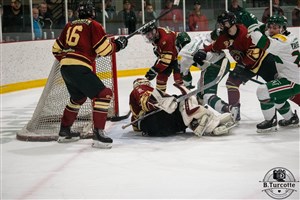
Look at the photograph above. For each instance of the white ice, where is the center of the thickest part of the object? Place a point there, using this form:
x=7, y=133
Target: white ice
x=182, y=166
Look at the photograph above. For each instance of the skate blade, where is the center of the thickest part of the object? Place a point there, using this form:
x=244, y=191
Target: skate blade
x=101, y=145
x=290, y=126
x=268, y=130
x=67, y=140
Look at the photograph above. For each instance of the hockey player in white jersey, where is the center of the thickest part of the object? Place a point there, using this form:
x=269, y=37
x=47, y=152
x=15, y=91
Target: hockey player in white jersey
x=274, y=94
x=187, y=49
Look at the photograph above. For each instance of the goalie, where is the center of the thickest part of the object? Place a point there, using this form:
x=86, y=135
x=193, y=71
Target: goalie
x=174, y=117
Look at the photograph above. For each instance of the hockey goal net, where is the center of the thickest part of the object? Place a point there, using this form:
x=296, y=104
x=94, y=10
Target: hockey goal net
x=45, y=122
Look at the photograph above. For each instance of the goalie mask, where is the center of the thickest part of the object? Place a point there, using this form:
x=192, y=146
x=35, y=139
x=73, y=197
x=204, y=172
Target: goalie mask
x=141, y=81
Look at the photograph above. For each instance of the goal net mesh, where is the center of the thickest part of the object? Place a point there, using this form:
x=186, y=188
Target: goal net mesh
x=45, y=122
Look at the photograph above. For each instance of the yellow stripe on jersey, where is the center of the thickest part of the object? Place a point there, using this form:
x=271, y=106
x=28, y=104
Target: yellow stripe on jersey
x=72, y=61
x=280, y=37
x=166, y=58
x=56, y=48
x=104, y=47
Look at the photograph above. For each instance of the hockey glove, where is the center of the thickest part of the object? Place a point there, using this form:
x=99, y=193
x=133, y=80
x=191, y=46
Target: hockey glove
x=121, y=43
x=151, y=74
x=199, y=56
x=249, y=20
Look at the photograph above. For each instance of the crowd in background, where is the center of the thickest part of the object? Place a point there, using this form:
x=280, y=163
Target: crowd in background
x=47, y=23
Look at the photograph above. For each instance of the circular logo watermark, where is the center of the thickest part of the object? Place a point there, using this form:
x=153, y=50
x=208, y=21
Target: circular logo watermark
x=279, y=183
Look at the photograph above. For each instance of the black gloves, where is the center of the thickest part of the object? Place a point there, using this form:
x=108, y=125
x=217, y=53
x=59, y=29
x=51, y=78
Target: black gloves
x=199, y=56
x=151, y=74
x=121, y=43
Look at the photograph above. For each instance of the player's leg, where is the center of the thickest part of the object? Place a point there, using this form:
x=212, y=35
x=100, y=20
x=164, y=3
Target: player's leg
x=209, y=96
x=94, y=88
x=272, y=96
x=72, y=108
x=176, y=72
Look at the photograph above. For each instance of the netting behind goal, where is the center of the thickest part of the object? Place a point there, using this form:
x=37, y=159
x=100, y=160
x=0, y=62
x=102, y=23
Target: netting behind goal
x=45, y=122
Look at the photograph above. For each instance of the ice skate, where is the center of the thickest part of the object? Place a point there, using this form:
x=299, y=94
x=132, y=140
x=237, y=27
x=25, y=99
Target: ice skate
x=100, y=140
x=235, y=112
x=267, y=125
x=292, y=122
x=66, y=135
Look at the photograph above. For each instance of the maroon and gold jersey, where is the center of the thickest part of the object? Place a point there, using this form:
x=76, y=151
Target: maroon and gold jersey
x=140, y=102
x=166, y=48
x=80, y=42
x=241, y=48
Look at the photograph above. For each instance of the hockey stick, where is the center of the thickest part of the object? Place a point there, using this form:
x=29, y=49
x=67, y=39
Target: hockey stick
x=139, y=30
x=119, y=118
x=210, y=84
x=141, y=118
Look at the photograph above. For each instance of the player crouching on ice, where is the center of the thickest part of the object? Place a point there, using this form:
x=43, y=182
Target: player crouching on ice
x=174, y=117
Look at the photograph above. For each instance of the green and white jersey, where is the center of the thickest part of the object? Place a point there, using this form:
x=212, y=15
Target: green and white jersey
x=286, y=52
x=186, y=54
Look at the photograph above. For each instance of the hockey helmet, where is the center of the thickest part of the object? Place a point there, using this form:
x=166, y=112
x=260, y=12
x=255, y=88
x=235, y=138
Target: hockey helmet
x=86, y=9
x=182, y=39
x=278, y=20
x=141, y=81
x=150, y=32
x=227, y=17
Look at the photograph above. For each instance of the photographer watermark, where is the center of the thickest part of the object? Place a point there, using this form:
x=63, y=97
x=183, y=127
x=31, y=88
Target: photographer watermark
x=279, y=183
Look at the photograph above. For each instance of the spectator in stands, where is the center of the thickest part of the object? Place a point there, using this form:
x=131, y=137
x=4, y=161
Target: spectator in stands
x=46, y=19
x=276, y=10
x=296, y=15
x=127, y=16
x=150, y=14
x=37, y=27
x=235, y=7
x=16, y=21
x=197, y=20
x=172, y=20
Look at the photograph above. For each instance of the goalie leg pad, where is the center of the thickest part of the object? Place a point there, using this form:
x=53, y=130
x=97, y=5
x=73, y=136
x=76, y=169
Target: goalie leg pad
x=226, y=118
x=223, y=129
x=164, y=101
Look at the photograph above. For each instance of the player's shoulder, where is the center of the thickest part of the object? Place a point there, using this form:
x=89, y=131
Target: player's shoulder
x=242, y=29
x=280, y=37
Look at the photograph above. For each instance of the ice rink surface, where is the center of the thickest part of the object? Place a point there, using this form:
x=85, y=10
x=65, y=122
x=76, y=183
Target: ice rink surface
x=178, y=167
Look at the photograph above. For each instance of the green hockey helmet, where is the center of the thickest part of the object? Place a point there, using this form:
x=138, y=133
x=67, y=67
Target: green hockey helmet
x=278, y=20
x=182, y=39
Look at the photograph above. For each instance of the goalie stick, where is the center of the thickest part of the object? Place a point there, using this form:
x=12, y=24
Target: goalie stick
x=119, y=118
x=139, y=30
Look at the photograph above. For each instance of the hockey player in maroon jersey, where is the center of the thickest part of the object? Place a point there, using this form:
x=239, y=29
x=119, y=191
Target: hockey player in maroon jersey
x=163, y=41
x=80, y=42
x=252, y=60
x=174, y=117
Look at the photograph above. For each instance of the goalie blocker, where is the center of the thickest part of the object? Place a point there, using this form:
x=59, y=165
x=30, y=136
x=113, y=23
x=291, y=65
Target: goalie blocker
x=174, y=117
